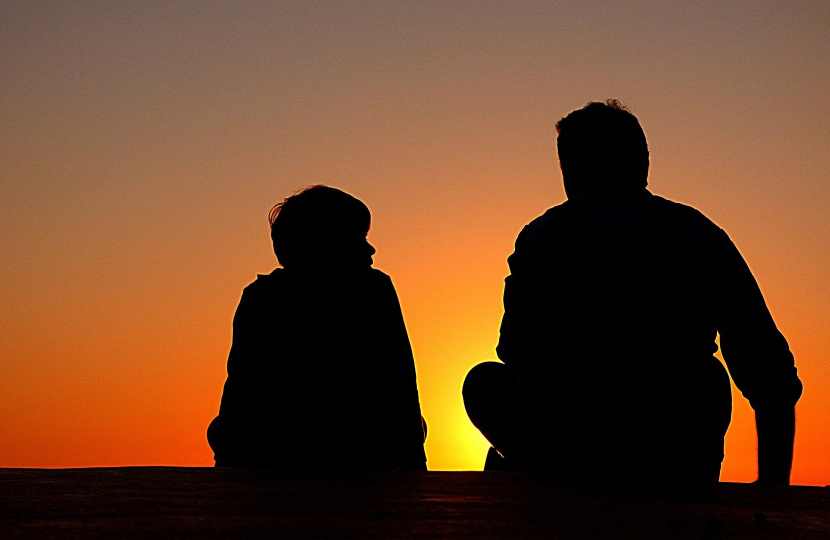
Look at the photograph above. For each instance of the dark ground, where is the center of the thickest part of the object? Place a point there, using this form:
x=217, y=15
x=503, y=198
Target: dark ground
x=173, y=502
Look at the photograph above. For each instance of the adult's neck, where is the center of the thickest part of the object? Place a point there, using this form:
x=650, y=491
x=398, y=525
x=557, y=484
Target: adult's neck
x=605, y=191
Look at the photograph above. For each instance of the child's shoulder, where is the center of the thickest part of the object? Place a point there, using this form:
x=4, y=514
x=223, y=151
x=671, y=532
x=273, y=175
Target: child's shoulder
x=281, y=277
x=265, y=285
x=367, y=275
x=377, y=275
x=266, y=280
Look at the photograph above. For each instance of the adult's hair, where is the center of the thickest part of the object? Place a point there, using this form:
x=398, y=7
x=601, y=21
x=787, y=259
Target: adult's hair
x=317, y=224
x=602, y=146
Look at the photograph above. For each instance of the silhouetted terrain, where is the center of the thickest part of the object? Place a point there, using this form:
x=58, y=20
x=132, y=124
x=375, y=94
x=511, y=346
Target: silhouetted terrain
x=173, y=502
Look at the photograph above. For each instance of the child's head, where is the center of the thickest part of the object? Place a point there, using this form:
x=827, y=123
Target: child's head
x=321, y=225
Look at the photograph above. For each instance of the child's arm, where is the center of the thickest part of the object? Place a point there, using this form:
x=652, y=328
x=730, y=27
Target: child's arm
x=412, y=432
x=231, y=431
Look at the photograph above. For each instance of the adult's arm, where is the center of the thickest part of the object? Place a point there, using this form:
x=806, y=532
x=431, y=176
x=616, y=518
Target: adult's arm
x=512, y=330
x=776, y=432
x=759, y=360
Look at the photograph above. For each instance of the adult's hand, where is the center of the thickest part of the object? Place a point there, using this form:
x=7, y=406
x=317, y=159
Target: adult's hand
x=776, y=432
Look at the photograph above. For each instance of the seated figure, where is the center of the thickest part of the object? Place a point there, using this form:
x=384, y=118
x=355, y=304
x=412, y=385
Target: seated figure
x=611, y=311
x=320, y=373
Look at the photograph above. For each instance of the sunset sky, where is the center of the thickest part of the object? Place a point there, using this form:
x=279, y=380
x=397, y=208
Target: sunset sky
x=143, y=143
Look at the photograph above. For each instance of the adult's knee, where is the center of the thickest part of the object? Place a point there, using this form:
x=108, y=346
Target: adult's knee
x=485, y=379
x=488, y=392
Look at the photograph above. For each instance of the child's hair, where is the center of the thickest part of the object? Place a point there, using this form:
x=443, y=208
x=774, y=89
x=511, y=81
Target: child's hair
x=316, y=224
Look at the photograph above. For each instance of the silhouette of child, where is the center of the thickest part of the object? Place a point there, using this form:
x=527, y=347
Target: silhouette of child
x=320, y=373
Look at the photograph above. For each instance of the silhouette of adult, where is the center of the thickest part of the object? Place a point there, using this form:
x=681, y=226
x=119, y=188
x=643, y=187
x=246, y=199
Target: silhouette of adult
x=611, y=311
x=320, y=373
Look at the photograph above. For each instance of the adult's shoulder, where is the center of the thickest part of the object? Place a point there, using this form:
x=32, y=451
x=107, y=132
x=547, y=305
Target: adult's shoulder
x=537, y=230
x=685, y=214
x=552, y=216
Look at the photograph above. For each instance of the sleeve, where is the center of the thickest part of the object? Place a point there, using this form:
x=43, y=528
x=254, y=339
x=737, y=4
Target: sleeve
x=240, y=369
x=755, y=351
x=404, y=397
x=511, y=332
x=228, y=432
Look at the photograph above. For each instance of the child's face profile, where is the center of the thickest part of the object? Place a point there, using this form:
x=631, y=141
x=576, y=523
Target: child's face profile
x=321, y=227
x=370, y=251
x=360, y=253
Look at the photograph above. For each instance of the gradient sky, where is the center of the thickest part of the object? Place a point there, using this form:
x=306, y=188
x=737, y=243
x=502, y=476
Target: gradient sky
x=142, y=145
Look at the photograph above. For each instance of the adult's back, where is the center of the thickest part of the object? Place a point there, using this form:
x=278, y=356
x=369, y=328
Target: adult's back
x=612, y=308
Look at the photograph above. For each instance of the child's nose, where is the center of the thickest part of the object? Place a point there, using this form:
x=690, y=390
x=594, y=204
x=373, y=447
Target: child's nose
x=372, y=249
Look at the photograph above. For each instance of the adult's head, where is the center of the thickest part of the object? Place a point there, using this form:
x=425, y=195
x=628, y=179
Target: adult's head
x=601, y=148
x=320, y=225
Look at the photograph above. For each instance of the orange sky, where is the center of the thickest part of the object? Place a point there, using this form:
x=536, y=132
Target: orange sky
x=141, y=147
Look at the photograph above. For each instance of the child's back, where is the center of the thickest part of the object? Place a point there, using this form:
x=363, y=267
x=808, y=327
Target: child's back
x=320, y=374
